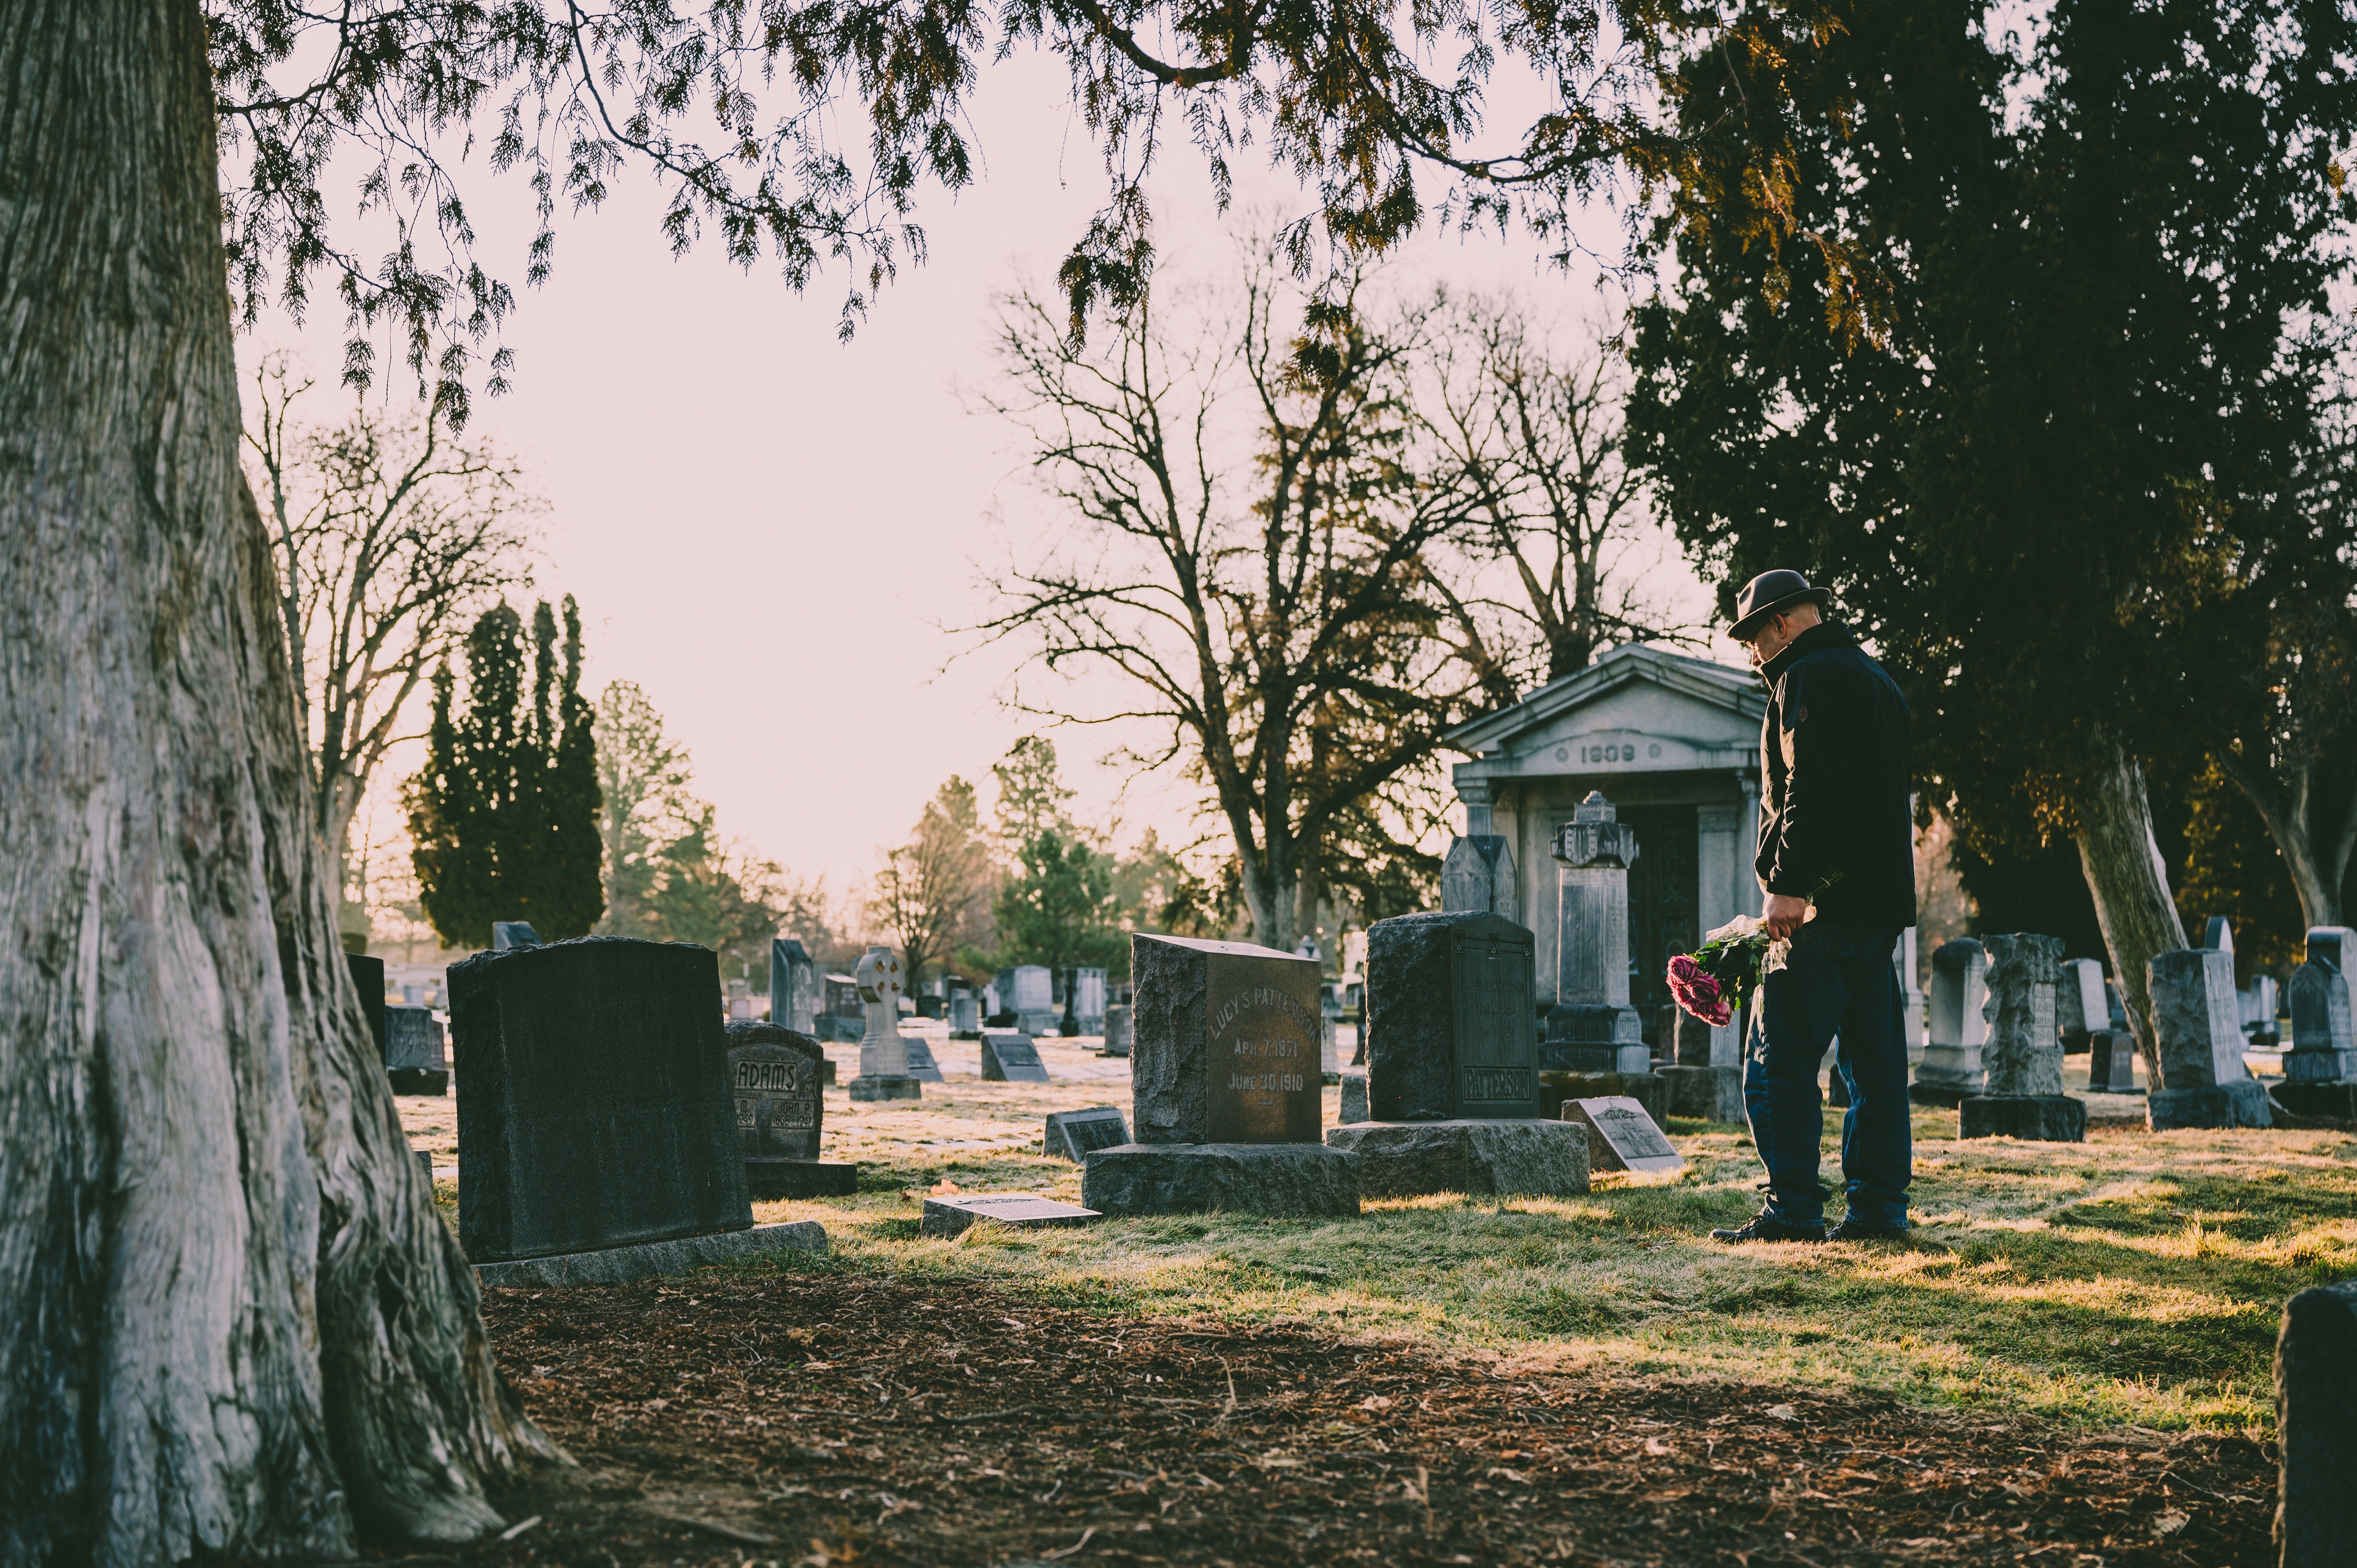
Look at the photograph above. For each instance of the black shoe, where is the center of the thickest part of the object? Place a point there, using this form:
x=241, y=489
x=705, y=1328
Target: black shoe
x=1761, y=1227
x=1852, y=1229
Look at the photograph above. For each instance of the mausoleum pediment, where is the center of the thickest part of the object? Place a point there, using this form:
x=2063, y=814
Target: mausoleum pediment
x=1636, y=708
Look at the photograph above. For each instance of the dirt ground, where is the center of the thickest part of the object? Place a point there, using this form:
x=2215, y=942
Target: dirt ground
x=827, y=1416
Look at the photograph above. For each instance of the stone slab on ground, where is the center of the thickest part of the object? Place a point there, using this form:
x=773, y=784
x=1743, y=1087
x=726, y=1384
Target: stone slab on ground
x=2338, y=1100
x=1028, y=1211
x=1650, y=1089
x=921, y=1065
x=2242, y=1104
x=1008, y=1058
x=2039, y=1118
x=2315, y=1427
x=1621, y=1136
x=1306, y=1181
x=1706, y=1093
x=1070, y=1134
x=769, y=1180
x=619, y=1265
x=1490, y=1156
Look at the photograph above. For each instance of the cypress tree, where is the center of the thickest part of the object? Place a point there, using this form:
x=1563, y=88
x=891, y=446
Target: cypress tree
x=568, y=889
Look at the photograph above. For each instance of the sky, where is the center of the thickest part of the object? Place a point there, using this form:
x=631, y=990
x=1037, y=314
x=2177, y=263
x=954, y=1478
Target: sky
x=779, y=536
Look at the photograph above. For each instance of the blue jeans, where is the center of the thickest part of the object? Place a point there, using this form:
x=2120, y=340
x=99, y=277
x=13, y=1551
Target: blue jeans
x=1837, y=980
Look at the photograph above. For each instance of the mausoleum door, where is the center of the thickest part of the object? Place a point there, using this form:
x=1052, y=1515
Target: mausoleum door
x=1663, y=891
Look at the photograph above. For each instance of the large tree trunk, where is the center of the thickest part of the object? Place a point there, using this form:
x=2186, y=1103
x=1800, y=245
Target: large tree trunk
x=2130, y=885
x=2316, y=862
x=231, y=1320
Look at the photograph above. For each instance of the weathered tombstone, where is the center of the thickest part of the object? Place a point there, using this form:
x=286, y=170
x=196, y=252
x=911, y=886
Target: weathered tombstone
x=2320, y=1068
x=2087, y=1010
x=1911, y=993
x=1592, y=1028
x=1477, y=877
x=1621, y=1136
x=2203, y=1080
x=1072, y=1134
x=505, y=934
x=426, y=1167
x=965, y=1015
x=2315, y=1428
x=1706, y=1074
x=842, y=1016
x=1449, y=1064
x=1028, y=991
x=1353, y=1106
x=883, y=1052
x=1010, y=1057
x=2111, y=1062
x=1089, y=1000
x=774, y=1073
x=2218, y=935
x=368, y=979
x=921, y=1065
x=413, y=1051
x=1950, y=1067
x=2023, y=1058
x=742, y=1007
x=2263, y=1006
x=793, y=987
x=1329, y=1027
x=954, y=1214
x=1118, y=1030
x=597, y=1116
x=1224, y=1069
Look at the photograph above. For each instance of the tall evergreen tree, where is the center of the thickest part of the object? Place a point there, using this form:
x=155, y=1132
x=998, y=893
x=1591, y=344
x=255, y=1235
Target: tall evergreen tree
x=504, y=815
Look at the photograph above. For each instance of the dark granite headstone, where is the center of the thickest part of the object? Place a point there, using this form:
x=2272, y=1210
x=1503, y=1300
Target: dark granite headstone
x=921, y=1065
x=794, y=986
x=950, y=1214
x=1009, y=1057
x=1117, y=1032
x=507, y=934
x=1621, y=1136
x=2111, y=1062
x=1226, y=1045
x=368, y=979
x=842, y=1016
x=413, y=1051
x=777, y=1075
x=1451, y=1001
x=2315, y=1428
x=598, y=1110
x=1070, y=1134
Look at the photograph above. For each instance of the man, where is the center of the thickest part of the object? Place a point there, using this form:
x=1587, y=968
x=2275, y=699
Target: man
x=1837, y=864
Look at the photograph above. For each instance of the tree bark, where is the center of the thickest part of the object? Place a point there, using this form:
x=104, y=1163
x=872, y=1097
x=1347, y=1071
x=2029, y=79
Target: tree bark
x=231, y=1320
x=2130, y=885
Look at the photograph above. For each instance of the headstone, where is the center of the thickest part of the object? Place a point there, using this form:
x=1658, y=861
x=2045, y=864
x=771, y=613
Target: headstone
x=1706, y=1076
x=1028, y=991
x=1070, y=1134
x=1353, y=1106
x=2023, y=1058
x=2111, y=1062
x=1010, y=1057
x=1950, y=1067
x=1477, y=877
x=965, y=1015
x=1226, y=1089
x=596, y=1111
x=2315, y=1428
x=368, y=979
x=425, y=1169
x=1621, y=1136
x=883, y=1052
x=1330, y=1024
x=842, y=1016
x=2203, y=1080
x=505, y=934
x=1484, y=1158
x=1089, y=1000
x=742, y=1008
x=1911, y=993
x=775, y=1074
x=413, y=1051
x=953, y=1215
x=793, y=987
x=2218, y=935
x=1117, y=1030
x=1449, y=1011
x=2086, y=1009
x=2262, y=1005
x=921, y=1065
x=2320, y=1068
x=412, y=996
x=1592, y=1028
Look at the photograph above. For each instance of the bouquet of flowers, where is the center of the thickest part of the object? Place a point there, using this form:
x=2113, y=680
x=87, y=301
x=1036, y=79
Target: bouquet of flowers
x=1719, y=976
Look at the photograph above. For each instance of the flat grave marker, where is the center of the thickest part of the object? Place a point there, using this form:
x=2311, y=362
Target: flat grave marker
x=949, y=1214
x=1011, y=1057
x=1072, y=1134
x=1620, y=1136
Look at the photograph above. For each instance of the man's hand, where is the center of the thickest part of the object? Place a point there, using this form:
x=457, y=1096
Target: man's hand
x=1783, y=915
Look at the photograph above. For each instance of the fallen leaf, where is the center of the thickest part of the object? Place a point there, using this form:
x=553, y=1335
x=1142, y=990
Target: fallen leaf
x=1783, y=1412
x=2170, y=1523
x=945, y=1187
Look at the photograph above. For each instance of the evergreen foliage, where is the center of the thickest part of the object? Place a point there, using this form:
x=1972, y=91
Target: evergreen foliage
x=1057, y=908
x=503, y=817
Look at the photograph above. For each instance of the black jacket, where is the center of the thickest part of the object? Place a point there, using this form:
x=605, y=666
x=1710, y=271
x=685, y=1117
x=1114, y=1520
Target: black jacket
x=1833, y=782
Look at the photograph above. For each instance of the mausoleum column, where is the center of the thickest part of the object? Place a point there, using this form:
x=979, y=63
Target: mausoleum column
x=1747, y=846
x=1475, y=793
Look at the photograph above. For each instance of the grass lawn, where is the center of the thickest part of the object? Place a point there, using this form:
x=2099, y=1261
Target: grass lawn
x=2133, y=1280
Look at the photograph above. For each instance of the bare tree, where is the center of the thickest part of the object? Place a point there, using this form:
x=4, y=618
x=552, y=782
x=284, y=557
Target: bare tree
x=391, y=533
x=934, y=889
x=1276, y=611
x=1536, y=437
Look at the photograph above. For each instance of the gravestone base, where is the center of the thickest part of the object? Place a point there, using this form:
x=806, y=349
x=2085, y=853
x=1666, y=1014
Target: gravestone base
x=1354, y=1097
x=873, y=1089
x=1649, y=1089
x=2039, y=1118
x=2242, y=1104
x=2316, y=1426
x=1304, y=1181
x=769, y=1180
x=2338, y=1100
x=1924, y=1092
x=1026, y=1211
x=431, y=1081
x=619, y=1265
x=1706, y=1093
x=1409, y=1159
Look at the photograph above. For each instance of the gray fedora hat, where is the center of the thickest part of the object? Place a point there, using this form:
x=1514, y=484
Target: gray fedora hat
x=1770, y=594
